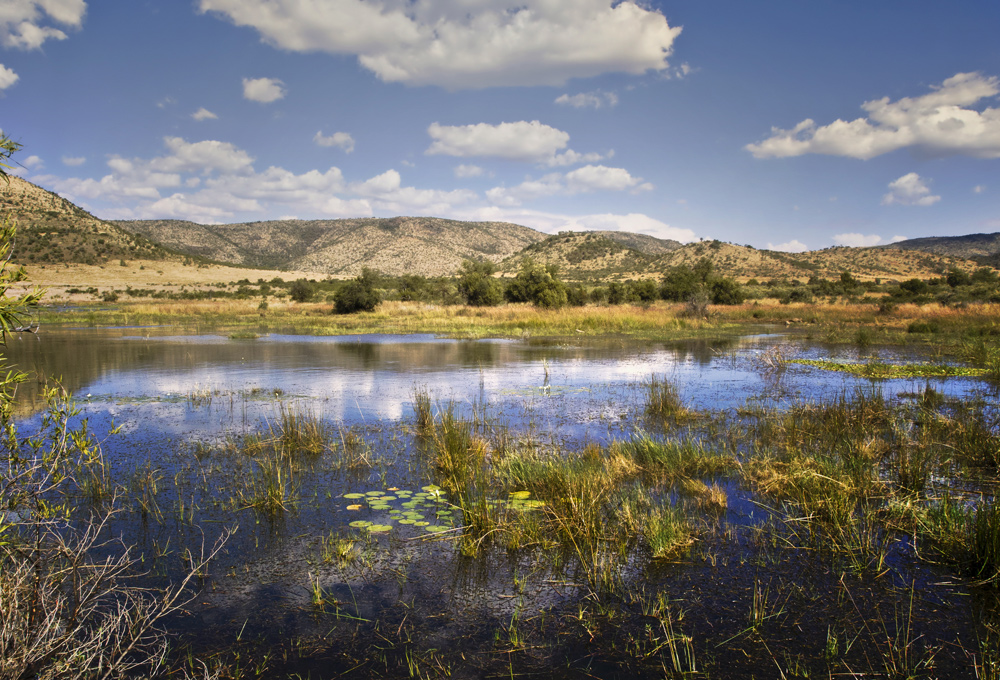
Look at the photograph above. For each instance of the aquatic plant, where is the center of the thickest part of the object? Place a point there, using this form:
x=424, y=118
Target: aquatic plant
x=663, y=399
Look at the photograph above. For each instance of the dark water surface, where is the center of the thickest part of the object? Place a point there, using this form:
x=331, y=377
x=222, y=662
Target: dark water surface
x=181, y=400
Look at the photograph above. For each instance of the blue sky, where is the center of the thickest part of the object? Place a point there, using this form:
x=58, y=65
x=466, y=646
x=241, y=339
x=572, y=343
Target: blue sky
x=785, y=124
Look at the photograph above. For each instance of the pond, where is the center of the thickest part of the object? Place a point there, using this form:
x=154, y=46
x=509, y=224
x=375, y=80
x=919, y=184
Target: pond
x=361, y=555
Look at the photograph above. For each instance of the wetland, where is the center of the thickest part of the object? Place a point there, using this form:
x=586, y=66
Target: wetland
x=755, y=504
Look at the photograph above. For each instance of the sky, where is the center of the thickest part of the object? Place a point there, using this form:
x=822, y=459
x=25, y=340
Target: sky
x=784, y=124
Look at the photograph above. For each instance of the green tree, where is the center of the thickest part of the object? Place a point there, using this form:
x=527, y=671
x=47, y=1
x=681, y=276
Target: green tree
x=538, y=285
x=301, y=291
x=412, y=288
x=360, y=294
x=680, y=283
x=477, y=285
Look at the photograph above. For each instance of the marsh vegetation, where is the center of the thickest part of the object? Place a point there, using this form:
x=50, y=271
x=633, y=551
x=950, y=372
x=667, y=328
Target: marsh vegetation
x=405, y=507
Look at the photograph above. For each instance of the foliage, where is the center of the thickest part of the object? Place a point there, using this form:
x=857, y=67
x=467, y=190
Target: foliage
x=538, y=285
x=413, y=288
x=301, y=291
x=359, y=294
x=477, y=285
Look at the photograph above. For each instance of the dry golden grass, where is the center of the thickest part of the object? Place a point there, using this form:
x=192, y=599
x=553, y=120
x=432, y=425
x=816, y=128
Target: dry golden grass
x=152, y=274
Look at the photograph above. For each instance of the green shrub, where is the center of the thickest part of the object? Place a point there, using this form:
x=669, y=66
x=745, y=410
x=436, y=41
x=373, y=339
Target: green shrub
x=477, y=285
x=301, y=291
x=537, y=285
x=359, y=294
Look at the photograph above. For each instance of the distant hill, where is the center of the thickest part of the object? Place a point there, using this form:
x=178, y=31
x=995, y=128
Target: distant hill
x=399, y=245
x=50, y=229
x=983, y=248
x=592, y=255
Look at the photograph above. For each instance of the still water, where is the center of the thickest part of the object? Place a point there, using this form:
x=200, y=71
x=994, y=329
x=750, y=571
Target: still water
x=183, y=401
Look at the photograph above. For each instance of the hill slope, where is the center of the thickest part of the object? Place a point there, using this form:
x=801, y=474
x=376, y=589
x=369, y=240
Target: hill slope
x=587, y=255
x=399, y=245
x=983, y=248
x=50, y=229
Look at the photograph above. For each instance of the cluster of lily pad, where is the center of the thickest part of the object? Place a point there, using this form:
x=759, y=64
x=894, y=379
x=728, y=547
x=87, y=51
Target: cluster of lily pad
x=881, y=370
x=415, y=509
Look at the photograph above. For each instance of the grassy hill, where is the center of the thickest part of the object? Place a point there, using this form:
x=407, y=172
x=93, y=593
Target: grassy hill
x=50, y=229
x=592, y=255
x=982, y=248
x=399, y=245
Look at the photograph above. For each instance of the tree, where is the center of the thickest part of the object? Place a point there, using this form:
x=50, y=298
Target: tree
x=359, y=294
x=477, y=285
x=301, y=291
x=538, y=285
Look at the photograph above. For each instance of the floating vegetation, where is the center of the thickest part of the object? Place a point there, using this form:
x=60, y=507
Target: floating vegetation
x=878, y=370
x=430, y=499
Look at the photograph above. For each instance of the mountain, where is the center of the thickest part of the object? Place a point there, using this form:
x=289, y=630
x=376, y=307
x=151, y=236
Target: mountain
x=593, y=255
x=983, y=248
x=50, y=229
x=399, y=245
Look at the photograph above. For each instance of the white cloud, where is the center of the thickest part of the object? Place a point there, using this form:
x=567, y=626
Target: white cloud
x=204, y=114
x=73, y=161
x=938, y=123
x=22, y=21
x=603, y=178
x=7, y=77
x=531, y=142
x=341, y=140
x=263, y=90
x=467, y=43
x=978, y=189
x=909, y=189
x=586, y=179
x=555, y=222
x=793, y=246
x=387, y=193
x=33, y=163
x=857, y=240
x=465, y=171
x=584, y=100
x=897, y=238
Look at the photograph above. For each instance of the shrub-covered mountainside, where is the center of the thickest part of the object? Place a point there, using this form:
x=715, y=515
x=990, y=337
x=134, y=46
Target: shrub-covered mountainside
x=51, y=229
x=983, y=248
x=400, y=245
x=593, y=255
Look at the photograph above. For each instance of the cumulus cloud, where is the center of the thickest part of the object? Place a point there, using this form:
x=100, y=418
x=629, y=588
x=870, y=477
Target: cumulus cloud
x=460, y=44
x=555, y=222
x=583, y=180
x=214, y=181
x=387, y=193
x=464, y=171
x=978, y=189
x=341, y=140
x=591, y=100
x=857, y=240
x=25, y=24
x=263, y=90
x=909, y=189
x=73, y=161
x=793, y=246
x=7, y=77
x=204, y=114
x=897, y=238
x=531, y=142
x=938, y=123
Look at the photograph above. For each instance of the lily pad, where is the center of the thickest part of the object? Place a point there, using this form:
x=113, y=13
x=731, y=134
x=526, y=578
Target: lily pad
x=421, y=524
x=379, y=528
x=436, y=528
x=354, y=496
x=520, y=495
x=407, y=521
x=361, y=524
x=356, y=506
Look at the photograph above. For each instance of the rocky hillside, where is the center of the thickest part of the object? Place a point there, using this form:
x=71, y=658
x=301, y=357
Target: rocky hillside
x=399, y=245
x=983, y=248
x=588, y=255
x=50, y=229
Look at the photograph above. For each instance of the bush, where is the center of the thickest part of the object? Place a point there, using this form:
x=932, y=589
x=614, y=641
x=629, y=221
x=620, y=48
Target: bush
x=537, y=285
x=576, y=295
x=413, y=288
x=643, y=291
x=301, y=291
x=680, y=283
x=477, y=285
x=359, y=294
x=726, y=292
